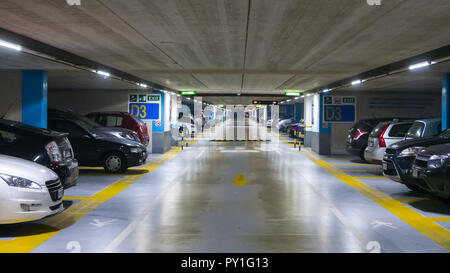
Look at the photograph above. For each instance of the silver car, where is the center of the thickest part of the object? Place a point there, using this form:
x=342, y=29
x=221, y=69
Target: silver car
x=383, y=135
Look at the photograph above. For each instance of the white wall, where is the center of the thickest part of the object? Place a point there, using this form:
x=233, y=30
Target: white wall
x=11, y=94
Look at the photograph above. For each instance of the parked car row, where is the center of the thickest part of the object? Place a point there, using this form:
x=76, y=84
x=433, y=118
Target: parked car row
x=37, y=165
x=415, y=153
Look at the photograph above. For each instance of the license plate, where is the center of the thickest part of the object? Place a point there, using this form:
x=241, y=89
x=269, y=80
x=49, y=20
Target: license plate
x=415, y=173
x=385, y=166
x=60, y=193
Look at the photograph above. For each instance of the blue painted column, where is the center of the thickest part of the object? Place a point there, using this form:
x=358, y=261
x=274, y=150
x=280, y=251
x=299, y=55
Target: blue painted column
x=446, y=102
x=34, y=98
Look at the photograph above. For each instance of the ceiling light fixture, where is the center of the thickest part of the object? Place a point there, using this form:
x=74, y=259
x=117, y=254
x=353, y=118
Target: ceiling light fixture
x=10, y=45
x=103, y=73
x=356, y=82
x=419, y=65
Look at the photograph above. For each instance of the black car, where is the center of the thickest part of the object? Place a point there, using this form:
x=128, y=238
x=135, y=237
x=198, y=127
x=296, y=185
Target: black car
x=49, y=148
x=432, y=168
x=399, y=158
x=358, y=135
x=93, y=147
x=115, y=131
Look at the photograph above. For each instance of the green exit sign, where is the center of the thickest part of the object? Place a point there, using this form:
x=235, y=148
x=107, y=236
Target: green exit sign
x=292, y=94
x=348, y=100
x=188, y=93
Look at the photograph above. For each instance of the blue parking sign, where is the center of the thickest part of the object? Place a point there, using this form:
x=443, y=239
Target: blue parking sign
x=144, y=111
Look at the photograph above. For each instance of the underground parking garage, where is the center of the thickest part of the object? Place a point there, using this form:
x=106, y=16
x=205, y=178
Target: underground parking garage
x=224, y=127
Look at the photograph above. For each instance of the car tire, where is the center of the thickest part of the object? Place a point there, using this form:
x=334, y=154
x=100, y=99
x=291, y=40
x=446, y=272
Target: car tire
x=115, y=162
x=414, y=188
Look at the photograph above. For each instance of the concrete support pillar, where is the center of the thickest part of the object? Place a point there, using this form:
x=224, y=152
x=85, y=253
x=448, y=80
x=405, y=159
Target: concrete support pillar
x=446, y=102
x=161, y=135
x=34, y=98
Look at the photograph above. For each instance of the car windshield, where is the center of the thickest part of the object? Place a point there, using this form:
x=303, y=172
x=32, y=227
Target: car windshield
x=416, y=130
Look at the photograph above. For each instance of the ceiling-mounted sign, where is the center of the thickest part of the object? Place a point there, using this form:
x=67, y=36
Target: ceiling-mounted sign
x=145, y=106
x=339, y=109
x=292, y=93
x=188, y=93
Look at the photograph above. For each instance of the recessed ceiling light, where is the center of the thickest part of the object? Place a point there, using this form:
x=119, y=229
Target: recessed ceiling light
x=10, y=45
x=103, y=73
x=356, y=82
x=419, y=65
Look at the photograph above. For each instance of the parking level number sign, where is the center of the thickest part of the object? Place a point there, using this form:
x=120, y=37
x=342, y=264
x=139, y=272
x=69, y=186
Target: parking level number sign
x=339, y=113
x=338, y=109
x=145, y=110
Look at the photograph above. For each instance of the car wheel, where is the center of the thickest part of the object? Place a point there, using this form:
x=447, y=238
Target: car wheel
x=415, y=188
x=115, y=163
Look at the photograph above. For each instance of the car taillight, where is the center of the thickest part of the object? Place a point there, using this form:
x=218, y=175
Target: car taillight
x=359, y=134
x=54, y=153
x=381, y=142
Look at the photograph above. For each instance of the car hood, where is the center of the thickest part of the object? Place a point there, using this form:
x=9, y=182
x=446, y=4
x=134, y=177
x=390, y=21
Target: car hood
x=112, y=131
x=26, y=169
x=425, y=142
x=442, y=149
x=107, y=134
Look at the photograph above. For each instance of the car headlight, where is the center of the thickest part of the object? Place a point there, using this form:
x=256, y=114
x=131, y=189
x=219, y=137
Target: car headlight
x=412, y=151
x=436, y=161
x=135, y=150
x=19, y=182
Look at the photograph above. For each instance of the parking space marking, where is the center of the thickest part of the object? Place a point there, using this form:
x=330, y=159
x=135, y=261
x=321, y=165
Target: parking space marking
x=423, y=224
x=55, y=224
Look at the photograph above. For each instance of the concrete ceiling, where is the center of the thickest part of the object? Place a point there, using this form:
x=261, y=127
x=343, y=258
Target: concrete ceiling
x=258, y=46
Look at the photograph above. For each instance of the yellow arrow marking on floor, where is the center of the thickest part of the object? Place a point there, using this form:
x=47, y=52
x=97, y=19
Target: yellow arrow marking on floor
x=240, y=180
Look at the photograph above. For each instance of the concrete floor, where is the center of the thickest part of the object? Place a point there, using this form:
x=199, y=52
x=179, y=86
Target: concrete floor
x=187, y=202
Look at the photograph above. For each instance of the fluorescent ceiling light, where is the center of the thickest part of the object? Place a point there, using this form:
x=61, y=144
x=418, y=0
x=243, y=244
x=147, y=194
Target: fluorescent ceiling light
x=143, y=85
x=356, y=82
x=419, y=65
x=326, y=90
x=103, y=73
x=10, y=45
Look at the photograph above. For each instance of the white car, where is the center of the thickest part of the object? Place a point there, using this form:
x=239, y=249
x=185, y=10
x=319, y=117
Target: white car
x=28, y=191
x=383, y=135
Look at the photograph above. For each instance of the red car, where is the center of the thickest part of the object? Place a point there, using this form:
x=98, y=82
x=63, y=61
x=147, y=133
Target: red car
x=123, y=120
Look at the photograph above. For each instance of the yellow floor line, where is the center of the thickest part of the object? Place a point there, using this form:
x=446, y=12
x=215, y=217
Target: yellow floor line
x=421, y=223
x=355, y=164
x=53, y=225
x=439, y=219
x=370, y=177
x=424, y=225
